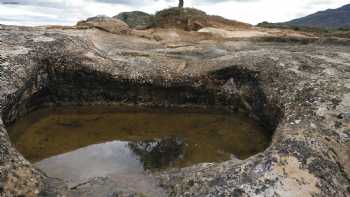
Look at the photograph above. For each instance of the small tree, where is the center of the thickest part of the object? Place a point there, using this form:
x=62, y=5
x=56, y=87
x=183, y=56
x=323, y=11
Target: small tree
x=181, y=3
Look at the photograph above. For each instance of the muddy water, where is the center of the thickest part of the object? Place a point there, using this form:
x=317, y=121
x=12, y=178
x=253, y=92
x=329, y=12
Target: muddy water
x=78, y=143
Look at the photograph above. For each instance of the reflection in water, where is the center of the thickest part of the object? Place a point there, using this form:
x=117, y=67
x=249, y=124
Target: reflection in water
x=77, y=143
x=92, y=161
x=116, y=157
x=158, y=153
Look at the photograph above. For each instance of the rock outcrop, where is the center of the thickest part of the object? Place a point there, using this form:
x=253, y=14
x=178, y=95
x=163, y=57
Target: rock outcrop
x=232, y=34
x=105, y=23
x=136, y=19
x=190, y=19
x=299, y=89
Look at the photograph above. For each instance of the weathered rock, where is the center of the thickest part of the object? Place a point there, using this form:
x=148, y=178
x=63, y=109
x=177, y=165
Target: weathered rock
x=227, y=24
x=136, y=19
x=233, y=34
x=190, y=19
x=299, y=90
x=183, y=18
x=105, y=23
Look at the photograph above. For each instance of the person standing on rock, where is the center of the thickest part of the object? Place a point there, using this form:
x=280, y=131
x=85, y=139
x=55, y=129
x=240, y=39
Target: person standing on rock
x=181, y=3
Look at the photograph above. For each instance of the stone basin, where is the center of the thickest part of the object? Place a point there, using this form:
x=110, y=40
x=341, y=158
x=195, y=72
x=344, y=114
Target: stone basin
x=77, y=144
x=300, y=91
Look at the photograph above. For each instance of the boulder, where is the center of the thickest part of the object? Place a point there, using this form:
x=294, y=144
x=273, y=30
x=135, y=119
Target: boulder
x=190, y=19
x=137, y=19
x=183, y=18
x=105, y=23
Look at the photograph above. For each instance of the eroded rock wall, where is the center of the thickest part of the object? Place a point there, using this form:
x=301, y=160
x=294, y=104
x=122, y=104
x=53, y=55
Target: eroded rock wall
x=300, y=90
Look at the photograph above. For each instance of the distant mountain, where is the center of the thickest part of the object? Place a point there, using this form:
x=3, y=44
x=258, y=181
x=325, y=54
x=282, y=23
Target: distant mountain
x=10, y=3
x=330, y=19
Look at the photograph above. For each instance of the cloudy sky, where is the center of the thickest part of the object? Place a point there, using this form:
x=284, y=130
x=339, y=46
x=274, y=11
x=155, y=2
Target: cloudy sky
x=68, y=12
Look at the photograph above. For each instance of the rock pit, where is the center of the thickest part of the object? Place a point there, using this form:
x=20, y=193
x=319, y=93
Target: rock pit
x=299, y=91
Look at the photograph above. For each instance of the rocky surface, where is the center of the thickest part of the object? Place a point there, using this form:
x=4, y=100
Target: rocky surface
x=190, y=19
x=111, y=25
x=183, y=18
x=297, y=88
x=233, y=34
x=136, y=19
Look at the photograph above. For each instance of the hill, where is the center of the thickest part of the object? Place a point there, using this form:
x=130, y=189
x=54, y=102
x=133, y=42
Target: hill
x=328, y=19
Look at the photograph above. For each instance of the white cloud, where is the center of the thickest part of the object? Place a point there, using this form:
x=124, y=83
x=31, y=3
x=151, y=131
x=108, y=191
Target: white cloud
x=68, y=12
x=270, y=10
